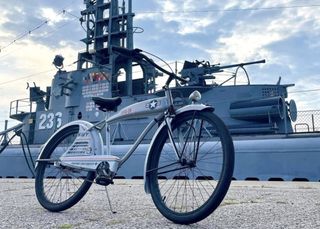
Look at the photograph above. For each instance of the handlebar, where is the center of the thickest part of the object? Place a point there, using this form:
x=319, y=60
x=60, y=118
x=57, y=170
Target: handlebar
x=138, y=55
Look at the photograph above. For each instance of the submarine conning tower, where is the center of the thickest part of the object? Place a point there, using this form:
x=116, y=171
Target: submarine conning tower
x=107, y=24
x=100, y=72
x=110, y=23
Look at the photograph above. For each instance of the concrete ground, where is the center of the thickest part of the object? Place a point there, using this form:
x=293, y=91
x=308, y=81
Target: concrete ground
x=248, y=204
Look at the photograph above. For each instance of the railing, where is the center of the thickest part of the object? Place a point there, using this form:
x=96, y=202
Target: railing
x=8, y=135
x=21, y=106
x=307, y=121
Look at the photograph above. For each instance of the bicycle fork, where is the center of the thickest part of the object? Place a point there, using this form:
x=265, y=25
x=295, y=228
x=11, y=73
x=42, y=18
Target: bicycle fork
x=185, y=139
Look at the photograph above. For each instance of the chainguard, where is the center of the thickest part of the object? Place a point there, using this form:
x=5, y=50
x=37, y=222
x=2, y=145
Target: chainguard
x=91, y=163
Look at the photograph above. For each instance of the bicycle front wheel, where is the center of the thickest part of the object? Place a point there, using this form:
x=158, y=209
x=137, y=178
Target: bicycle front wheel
x=190, y=173
x=59, y=188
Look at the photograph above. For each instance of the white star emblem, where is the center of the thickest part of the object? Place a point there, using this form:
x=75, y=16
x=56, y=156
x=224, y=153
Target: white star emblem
x=153, y=104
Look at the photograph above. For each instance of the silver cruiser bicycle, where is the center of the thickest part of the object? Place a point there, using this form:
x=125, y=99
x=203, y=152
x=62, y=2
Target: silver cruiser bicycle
x=188, y=166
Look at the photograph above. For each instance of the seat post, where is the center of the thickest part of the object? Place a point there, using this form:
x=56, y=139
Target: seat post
x=108, y=138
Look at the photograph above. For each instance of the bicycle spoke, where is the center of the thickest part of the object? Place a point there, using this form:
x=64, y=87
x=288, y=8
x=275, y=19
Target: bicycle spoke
x=162, y=167
x=191, y=183
x=68, y=185
x=59, y=187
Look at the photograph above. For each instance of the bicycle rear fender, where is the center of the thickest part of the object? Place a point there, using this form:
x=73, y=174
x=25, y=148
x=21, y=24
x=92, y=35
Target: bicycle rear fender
x=179, y=112
x=97, y=142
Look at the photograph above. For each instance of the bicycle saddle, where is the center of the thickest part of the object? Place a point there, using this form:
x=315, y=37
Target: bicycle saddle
x=107, y=104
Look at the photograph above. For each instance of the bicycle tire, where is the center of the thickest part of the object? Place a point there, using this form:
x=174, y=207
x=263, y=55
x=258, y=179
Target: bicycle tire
x=187, y=190
x=53, y=184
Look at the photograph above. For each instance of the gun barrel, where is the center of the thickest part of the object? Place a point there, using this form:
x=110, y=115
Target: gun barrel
x=255, y=62
x=200, y=71
x=242, y=64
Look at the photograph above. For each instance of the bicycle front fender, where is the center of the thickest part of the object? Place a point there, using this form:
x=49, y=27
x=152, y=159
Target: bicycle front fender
x=95, y=136
x=162, y=127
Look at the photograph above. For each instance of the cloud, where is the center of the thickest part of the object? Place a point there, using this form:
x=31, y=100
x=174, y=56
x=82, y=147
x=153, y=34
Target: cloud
x=175, y=30
x=185, y=16
x=305, y=94
x=4, y=18
x=143, y=16
x=42, y=59
x=26, y=62
x=238, y=35
x=52, y=16
x=250, y=38
x=5, y=35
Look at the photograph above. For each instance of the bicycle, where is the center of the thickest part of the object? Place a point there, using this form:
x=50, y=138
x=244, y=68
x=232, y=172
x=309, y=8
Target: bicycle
x=188, y=167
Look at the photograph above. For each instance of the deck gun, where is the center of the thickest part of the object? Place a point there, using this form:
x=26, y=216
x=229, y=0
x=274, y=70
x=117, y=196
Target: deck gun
x=199, y=71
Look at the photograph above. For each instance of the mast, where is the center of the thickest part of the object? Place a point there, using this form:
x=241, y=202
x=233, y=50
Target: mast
x=107, y=24
x=129, y=46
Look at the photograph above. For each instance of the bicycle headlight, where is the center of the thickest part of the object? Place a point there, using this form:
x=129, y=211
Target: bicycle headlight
x=195, y=96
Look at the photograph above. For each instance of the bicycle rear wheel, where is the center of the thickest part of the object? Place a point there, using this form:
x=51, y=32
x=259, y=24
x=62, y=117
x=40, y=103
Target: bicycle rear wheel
x=59, y=188
x=188, y=187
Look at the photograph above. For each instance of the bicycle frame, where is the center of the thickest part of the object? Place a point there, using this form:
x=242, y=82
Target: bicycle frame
x=151, y=106
x=88, y=159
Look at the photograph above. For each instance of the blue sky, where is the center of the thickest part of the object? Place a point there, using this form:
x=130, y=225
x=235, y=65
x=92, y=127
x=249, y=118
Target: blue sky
x=286, y=35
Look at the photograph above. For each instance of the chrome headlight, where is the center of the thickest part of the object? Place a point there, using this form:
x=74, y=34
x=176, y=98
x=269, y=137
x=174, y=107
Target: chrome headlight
x=195, y=96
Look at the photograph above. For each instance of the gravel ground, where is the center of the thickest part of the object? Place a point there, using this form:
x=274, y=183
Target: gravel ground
x=248, y=204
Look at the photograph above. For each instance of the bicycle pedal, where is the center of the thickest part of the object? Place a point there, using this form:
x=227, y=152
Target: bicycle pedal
x=104, y=180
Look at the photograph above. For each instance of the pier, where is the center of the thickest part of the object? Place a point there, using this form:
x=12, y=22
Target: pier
x=248, y=204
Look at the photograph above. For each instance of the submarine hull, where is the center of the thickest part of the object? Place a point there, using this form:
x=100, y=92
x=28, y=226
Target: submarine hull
x=271, y=158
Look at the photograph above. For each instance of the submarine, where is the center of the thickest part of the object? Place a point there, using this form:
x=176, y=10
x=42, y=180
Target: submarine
x=271, y=143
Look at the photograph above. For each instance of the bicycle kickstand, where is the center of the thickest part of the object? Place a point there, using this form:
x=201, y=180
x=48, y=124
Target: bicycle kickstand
x=109, y=201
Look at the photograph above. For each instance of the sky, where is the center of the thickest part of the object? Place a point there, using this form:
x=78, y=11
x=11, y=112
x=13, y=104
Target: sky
x=286, y=33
